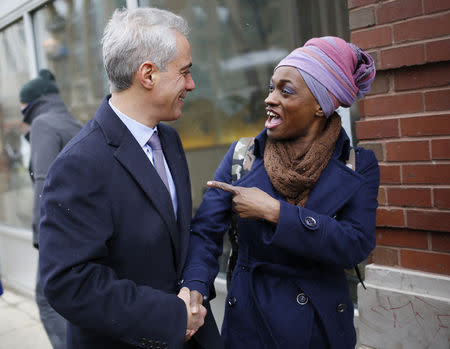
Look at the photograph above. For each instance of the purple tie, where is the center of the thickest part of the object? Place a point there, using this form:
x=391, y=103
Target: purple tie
x=158, y=158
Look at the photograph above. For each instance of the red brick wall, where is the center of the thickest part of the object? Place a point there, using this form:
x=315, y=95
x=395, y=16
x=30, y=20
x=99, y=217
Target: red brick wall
x=405, y=120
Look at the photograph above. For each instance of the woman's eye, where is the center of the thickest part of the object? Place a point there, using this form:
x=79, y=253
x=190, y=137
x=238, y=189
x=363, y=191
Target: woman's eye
x=287, y=91
x=270, y=88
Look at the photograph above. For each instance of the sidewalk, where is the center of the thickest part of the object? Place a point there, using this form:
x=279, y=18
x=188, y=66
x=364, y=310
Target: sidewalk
x=20, y=326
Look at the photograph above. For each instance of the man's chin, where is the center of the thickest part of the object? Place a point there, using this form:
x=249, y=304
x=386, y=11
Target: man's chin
x=171, y=118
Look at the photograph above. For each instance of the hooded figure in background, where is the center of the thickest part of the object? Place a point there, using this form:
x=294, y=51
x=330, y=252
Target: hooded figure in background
x=51, y=127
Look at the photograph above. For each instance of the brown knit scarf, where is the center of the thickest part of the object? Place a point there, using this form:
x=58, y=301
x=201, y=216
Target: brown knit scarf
x=294, y=172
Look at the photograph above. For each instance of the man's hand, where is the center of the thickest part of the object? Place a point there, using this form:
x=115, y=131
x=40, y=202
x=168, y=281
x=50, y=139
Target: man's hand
x=194, y=319
x=251, y=202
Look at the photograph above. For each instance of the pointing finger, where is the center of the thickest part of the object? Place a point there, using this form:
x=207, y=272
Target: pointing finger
x=223, y=186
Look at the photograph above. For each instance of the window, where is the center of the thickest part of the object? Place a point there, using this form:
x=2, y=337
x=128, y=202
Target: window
x=16, y=197
x=68, y=42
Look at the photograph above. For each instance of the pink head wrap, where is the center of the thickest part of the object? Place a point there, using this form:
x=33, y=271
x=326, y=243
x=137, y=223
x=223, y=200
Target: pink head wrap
x=335, y=71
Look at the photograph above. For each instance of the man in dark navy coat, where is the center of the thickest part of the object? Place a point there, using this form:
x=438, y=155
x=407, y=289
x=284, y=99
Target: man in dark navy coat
x=116, y=205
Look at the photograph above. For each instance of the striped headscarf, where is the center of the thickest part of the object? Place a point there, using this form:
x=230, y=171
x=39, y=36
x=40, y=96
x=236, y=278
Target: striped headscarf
x=335, y=71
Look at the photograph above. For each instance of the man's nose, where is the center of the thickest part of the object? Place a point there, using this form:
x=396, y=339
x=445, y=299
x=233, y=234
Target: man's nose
x=190, y=84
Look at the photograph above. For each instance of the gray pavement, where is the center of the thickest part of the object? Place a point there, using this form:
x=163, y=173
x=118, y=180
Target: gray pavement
x=20, y=326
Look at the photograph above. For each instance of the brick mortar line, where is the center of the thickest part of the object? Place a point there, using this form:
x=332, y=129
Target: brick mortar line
x=392, y=24
x=416, y=162
x=421, y=250
x=421, y=15
x=415, y=209
x=401, y=44
x=407, y=92
x=407, y=139
x=420, y=186
x=404, y=116
x=361, y=30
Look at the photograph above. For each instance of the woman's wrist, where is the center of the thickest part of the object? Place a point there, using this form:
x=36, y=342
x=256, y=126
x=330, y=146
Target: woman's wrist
x=272, y=214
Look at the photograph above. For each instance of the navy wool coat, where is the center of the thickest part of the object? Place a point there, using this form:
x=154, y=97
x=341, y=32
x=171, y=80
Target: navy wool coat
x=289, y=288
x=111, y=249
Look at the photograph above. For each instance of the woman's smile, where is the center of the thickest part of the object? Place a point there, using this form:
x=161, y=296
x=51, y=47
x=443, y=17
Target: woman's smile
x=273, y=120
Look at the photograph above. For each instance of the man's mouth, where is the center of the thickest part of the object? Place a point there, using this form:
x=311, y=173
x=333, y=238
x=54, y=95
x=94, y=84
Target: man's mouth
x=182, y=97
x=273, y=120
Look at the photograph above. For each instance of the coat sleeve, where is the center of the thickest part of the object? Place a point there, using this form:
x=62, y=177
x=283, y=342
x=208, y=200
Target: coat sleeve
x=45, y=147
x=344, y=240
x=78, y=281
x=207, y=230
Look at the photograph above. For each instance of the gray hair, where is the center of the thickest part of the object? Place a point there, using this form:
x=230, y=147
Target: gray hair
x=133, y=36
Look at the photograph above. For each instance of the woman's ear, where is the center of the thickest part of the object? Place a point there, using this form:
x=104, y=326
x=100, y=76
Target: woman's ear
x=146, y=74
x=319, y=111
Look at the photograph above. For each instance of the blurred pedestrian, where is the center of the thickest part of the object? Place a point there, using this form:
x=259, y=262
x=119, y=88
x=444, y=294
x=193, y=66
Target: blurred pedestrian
x=51, y=127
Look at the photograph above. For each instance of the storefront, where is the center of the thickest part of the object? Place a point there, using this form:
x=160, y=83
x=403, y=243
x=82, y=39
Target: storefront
x=235, y=45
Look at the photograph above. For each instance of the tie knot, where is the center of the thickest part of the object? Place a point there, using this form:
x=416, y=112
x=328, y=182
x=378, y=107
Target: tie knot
x=154, y=141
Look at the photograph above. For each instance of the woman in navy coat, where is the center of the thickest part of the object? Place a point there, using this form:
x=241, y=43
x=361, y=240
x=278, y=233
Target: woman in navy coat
x=304, y=216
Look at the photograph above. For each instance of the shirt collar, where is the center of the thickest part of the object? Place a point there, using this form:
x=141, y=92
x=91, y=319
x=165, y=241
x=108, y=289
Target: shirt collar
x=139, y=131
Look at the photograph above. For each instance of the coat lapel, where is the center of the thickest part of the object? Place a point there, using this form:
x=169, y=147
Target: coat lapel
x=134, y=160
x=335, y=186
x=180, y=174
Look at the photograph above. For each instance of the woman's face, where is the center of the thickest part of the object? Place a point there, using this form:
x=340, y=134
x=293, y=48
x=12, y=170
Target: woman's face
x=292, y=110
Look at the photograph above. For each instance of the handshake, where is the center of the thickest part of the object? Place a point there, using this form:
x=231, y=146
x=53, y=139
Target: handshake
x=196, y=312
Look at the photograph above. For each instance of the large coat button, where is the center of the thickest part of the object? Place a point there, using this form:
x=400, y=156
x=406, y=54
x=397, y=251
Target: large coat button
x=310, y=221
x=302, y=298
x=232, y=301
x=341, y=308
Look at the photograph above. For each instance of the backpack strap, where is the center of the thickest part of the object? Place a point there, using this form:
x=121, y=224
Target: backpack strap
x=243, y=158
x=351, y=160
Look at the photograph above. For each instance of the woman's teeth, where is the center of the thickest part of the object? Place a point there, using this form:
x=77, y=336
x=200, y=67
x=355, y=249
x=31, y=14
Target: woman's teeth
x=273, y=120
x=271, y=114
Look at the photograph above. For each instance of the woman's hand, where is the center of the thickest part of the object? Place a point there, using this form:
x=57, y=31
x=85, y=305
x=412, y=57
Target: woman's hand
x=196, y=312
x=251, y=202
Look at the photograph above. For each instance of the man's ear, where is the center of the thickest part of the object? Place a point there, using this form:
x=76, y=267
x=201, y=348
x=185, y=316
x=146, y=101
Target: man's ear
x=146, y=74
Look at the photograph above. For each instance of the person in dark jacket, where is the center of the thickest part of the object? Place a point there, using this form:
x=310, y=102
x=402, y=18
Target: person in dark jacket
x=304, y=215
x=51, y=128
x=116, y=205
